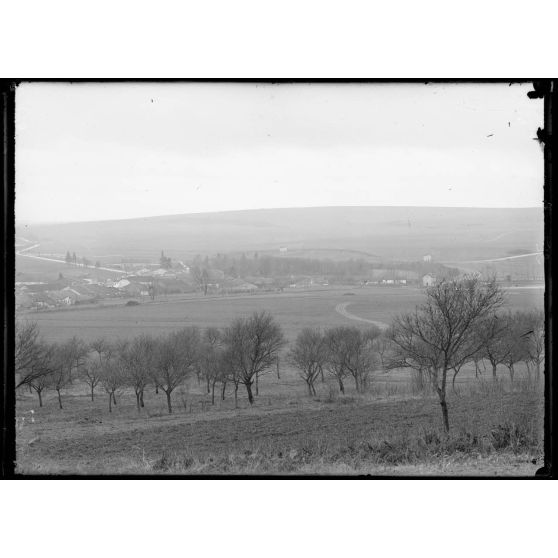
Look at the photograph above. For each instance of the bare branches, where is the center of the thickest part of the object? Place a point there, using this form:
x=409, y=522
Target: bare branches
x=175, y=358
x=31, y=354
x=309, y=355
x=442, y=334
x=252, y=345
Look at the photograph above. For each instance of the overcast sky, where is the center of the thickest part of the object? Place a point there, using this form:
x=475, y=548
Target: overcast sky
x=110, y=151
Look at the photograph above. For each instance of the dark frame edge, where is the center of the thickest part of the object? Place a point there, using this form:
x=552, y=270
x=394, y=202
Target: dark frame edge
x=546, y=89
x=7, y=380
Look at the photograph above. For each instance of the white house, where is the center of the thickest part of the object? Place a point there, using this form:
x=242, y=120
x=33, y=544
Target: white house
x=428, y=280
x=427, y=258
x=121, y=284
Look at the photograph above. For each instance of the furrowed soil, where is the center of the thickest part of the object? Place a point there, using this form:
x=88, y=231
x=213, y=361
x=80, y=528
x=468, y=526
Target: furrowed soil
x=347, y=436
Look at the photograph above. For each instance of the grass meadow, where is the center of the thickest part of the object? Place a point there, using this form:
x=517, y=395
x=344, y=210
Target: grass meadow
x=294, y=310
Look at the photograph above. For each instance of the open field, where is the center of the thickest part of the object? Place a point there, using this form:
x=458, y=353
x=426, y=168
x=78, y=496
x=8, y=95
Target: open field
x=494, y=431
x=294, y=310
x=31, y=269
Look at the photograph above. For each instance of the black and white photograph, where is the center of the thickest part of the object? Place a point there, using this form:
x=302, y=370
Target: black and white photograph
x=289, y=278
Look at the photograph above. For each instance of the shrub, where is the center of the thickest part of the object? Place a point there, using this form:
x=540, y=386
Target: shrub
x=515, y=436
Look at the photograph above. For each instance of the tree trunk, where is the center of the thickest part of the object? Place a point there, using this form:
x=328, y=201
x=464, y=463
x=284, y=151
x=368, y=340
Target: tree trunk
x=309, y=386
x=249, y=390
x=208, y=385
x=341, y=386
x=278, y=376
x=445, y=416
x=40, y=394
x=141, y=398
x=357, y=383
x=512, y=372
x=92, y=393
x=59, y=398
x=442, y=396
x=114, y=397
x=138, y=401
x=169, y=404
x=257, y=385
x=110, y=402
x=213, y=393
x=236, y=396
x=494, y=377
x=29, y=386
x=223, y=391
x=453, y=380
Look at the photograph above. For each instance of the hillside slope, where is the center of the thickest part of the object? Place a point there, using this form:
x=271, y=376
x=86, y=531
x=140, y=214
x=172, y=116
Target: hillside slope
x=378, y=232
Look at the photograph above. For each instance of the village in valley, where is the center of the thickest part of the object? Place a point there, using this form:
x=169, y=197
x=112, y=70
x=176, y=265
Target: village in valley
x=82, y=282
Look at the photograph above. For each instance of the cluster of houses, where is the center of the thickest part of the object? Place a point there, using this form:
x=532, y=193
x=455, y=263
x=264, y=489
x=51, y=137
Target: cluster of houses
x=150, y=280
x=43, y=296
x=138, y=283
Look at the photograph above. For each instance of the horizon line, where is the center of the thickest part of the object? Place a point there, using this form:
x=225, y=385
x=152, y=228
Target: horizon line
x=34, y=223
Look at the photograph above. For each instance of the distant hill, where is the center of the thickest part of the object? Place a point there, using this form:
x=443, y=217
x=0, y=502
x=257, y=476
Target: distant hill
x=383, y=233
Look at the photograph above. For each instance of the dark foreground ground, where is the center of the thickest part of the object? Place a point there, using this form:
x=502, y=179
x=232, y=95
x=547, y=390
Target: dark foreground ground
x=495, y=431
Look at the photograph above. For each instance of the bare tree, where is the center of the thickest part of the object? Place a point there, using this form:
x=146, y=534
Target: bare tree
x=492, y=335
x=535, y=339
x=441, y=333
x=105, y=351
x=102, y=348
x=78, y=351
x=337, y=354
x=138, y=360
x=113, y=378
x=30, y=354
x=516, y=344
x=211, y=362
x=309, y=355
x=62, y=361
x=362, y=358
x=232, y=371
x=382, y=345
x=91, y=374
x=253, y=345
x=201, y=277
x=39, y=384
x=175, y=358
x=40, y=372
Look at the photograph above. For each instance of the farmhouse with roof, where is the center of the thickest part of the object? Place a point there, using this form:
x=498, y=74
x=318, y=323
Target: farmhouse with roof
x=428, y=280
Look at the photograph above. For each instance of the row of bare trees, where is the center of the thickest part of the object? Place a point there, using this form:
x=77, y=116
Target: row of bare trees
x=342, y=351
x=235, y=355
x=461, y=322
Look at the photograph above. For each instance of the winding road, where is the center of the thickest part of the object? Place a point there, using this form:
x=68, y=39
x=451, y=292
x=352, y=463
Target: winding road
x=341, y=308
x=35, y=257
x=539, y=253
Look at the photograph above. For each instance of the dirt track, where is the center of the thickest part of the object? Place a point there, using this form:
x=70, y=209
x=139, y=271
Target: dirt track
x=342, y=309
